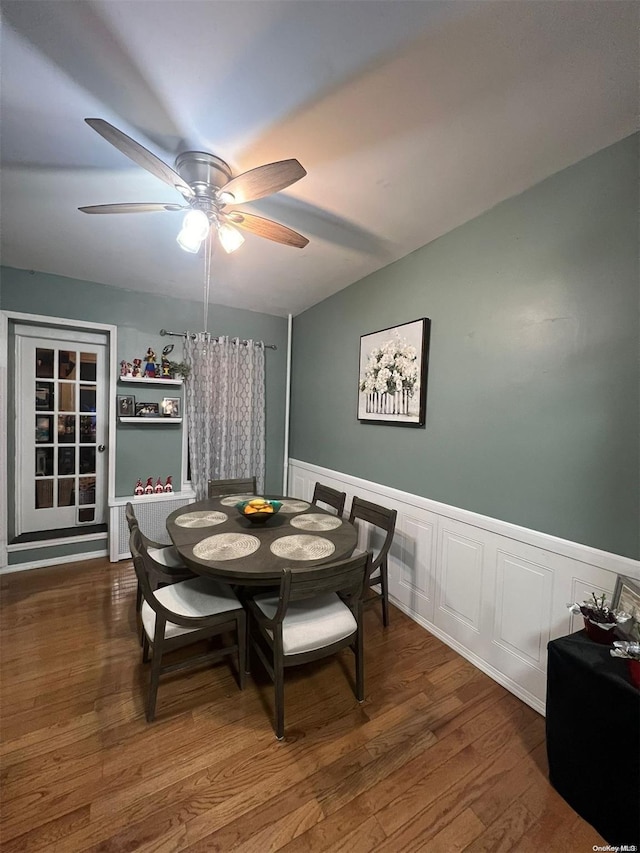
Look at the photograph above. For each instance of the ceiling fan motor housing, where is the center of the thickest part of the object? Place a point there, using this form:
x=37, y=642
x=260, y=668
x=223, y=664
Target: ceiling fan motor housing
x=204, y=173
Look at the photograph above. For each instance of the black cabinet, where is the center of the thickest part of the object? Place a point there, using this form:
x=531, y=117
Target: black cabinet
x=593, y=736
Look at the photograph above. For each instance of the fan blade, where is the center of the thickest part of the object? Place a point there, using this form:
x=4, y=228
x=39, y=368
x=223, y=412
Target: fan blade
x=141, y=207
x=140, y=155
x=264, y=180
x=266, y=228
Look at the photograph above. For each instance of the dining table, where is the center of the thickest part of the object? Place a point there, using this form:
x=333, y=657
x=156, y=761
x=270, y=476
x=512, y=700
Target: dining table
x=214, y=538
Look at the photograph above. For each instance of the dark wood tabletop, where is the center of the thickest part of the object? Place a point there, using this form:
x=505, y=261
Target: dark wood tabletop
x=237, y=550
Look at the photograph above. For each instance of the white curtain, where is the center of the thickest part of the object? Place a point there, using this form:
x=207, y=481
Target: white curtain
x=225, y=406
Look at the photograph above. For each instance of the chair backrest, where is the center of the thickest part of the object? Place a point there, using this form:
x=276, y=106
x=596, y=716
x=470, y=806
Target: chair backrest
x=220, y=488
x=130, y=515
x=151, y=573
x=348, y=577
x=378, y=516
x=332, y=497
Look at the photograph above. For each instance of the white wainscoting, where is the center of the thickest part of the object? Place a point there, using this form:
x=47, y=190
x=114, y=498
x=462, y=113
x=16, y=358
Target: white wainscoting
x=493, y=591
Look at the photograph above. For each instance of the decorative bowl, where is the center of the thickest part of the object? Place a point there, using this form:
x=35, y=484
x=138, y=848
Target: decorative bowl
x=258, y=510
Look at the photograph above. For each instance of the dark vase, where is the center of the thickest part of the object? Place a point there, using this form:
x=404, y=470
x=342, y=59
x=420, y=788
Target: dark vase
x=599, y=634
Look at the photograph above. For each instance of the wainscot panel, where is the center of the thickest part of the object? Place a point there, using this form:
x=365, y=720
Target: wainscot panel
x=493, y=591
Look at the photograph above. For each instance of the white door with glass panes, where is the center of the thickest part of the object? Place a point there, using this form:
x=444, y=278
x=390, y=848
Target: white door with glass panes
x=61, y=429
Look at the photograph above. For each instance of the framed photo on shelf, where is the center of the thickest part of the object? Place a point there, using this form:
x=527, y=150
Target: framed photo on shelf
x=392, y=379
x=626, y=596
x=126, y=405
x=171, y=407
x=147, y=410
x=44, y=396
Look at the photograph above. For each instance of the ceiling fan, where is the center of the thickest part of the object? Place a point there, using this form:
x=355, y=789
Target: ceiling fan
x=209, y=189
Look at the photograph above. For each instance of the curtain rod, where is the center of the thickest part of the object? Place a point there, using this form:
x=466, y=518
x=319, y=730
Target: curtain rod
x=164, y=332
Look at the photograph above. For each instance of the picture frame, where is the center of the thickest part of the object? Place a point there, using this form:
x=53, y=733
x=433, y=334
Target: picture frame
x=126, y=405
x=44, y=429
x=44, y=396
x=626, y=596
x=171, y=407
x=392, y=377
x=147, y=410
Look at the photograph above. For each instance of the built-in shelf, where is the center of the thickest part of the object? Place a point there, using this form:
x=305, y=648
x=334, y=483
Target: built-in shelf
x=143, y=420
x=141, y=380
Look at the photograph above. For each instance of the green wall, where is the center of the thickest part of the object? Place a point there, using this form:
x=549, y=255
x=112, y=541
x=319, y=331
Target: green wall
x=139, y=318
x=533, y=391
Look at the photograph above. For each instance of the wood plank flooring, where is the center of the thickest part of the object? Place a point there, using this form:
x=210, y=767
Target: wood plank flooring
x=439, y=757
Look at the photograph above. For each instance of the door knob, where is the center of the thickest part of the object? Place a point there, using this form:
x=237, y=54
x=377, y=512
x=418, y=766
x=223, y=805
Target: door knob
x=101, y=448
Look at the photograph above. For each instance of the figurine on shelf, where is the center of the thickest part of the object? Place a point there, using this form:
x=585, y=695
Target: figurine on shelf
x=168, y=487
x=123, y=368
x=159, y=489
x=148, y=489
x=165, y=363
x=150, y=364
x=136, y=371
x=139, y=489
x=129, y=369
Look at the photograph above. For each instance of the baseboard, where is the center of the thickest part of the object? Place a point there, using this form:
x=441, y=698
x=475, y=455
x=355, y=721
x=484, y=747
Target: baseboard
x=52, y=561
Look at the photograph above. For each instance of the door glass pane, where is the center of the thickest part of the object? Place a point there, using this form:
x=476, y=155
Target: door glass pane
x=87, y=489
x=88, y=460
x=87, y=429
x=45, y=396
x=66, y=491
x=44, y=429
x=88, y=367
x=85, y=515
x=66, y=429
x=44, y=461
x=87, y=398
x=44, y=494
x=67, y=392
x=66, y=364
x=66, y=460
x=44, y=363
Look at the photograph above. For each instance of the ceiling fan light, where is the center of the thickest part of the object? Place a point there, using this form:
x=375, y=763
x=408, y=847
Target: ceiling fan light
x=196, y=223
x=226, y=198
x=230, y=238
x=188, y=241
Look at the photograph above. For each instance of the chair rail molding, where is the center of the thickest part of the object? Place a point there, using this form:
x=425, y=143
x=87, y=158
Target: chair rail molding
x=493, y=591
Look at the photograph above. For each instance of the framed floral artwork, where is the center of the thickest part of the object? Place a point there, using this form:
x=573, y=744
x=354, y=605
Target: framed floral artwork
x=392, y=383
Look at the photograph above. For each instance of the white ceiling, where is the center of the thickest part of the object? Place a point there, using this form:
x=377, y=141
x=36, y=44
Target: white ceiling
x=409, y=117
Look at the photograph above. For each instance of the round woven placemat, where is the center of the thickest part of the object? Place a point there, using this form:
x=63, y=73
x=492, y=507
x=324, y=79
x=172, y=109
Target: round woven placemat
x=232, y=500
x=290, y=506
x=202, y=518
x=302, y=547
x=226, y=546
x=316, y=521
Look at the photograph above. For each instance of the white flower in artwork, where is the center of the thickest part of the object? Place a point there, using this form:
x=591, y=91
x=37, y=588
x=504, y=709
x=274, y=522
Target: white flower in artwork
x=392, y=367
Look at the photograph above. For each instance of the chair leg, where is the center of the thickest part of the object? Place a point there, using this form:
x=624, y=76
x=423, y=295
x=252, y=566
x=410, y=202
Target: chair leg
x=241, y=631
x=384, y=589
x=156, y=665
x=145, y=647
x=359, y=653
x=278, y=683
x=156, y=662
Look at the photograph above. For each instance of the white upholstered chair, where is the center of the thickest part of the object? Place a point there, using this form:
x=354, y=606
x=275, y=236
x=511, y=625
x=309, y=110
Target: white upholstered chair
x=316, y=613
x=181, y=614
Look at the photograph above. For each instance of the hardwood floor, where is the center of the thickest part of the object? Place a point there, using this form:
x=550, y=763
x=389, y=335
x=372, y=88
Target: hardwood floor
x=438, y=757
